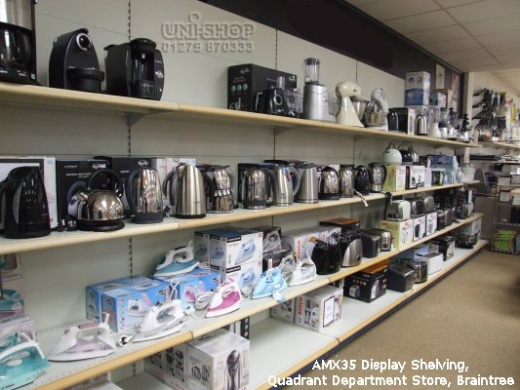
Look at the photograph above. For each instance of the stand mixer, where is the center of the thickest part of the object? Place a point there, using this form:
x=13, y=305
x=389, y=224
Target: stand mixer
x=315, y=95
x=347, y=115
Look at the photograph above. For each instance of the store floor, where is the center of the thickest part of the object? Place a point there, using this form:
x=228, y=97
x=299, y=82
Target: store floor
x=469, y=320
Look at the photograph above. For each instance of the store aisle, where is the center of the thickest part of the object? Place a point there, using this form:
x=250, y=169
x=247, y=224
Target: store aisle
x=470, y=319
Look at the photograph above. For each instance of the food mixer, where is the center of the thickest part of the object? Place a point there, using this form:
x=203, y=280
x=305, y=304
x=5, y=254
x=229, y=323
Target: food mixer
x=347, y=114
x=315, y=95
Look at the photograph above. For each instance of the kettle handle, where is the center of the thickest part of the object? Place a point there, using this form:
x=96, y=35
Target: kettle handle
x=129, y=182
x=118, y=187
x=298, y=177
x=168, y=186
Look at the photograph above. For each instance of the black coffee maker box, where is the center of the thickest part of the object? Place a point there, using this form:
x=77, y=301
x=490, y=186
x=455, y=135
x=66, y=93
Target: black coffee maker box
x=71, y=177
x=246, y=80
x=367, y=285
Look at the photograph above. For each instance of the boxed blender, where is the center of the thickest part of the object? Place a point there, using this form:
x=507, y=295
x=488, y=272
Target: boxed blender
x=402, y=231
x=218, y=361
x=367, y=285
x=233, y=246
x=417, y=88
x=318, y=309
x=285, y=311
x=395, y=178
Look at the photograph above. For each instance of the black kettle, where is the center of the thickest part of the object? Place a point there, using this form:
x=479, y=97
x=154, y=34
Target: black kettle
x=329, y=184
x=24, y=209
x=362, y=180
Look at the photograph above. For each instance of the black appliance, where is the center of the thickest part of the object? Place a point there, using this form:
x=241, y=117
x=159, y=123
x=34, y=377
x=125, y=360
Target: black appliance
x=441, y=219
x=467, y=241
x=400, y=278
x=273, y=102
x=74, y=63
x=417, y=207
x=329, y=184
x=371, y=244
x=362, y=180
x=444, y=245
x=17, y=41
x=135, y=69
x=24, y=208
x=421, y=270
x=326, y=256
x=385, y=236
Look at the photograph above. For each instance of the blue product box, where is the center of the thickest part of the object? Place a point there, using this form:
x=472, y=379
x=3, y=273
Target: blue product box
x=95, y=293
x=127, y=305
x=186, y=286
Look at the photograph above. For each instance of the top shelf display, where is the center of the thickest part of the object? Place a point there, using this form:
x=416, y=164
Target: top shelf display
x=36, y=96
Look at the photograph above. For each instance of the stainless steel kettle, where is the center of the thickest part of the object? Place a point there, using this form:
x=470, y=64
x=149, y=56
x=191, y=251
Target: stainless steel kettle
x=377, y=175
x=254, y=189
x=421, y=125
x=220, y=188
x=308, y=192
x=185, y=186
x=346, y=180
x=282, y=189
x=144, y=195
x=329, y=184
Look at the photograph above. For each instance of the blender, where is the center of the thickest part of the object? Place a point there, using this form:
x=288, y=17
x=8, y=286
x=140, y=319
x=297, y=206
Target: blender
x=434, y=118
x=315, y=95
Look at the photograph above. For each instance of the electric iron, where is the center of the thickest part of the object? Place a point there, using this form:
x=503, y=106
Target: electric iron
x=85, y=341
x=297, y=272
x=11, y=302
x=271, y=241
x=246, y=252
x=246, y=283
x=225, y=299
x=177, y=261
x=21, y=363
x=271, y=284
x=161, y=321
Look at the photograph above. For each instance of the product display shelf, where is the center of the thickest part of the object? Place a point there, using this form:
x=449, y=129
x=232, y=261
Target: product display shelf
x=143, y=381
x=513, y=145
x=433, y=188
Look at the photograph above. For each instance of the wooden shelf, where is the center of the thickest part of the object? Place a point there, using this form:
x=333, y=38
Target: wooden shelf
x=502, y=144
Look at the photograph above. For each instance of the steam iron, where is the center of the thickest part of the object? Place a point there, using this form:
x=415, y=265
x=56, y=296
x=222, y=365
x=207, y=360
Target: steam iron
x=271, y=283
x=226, y=299
x=177, y=261
x=161, y=321
x=11, y=302
x=246, y=283
x=271, y=242
x=246, y=252
x=21, y=363
x=298, y=272
x=85, y=341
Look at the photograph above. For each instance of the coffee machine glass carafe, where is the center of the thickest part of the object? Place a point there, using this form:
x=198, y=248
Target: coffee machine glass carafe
x=17, y=41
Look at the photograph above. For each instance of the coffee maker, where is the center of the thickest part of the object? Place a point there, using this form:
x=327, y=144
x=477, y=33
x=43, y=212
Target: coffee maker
x=74, y=63
x=17, y=41
x=315, y=95
x=135, y=69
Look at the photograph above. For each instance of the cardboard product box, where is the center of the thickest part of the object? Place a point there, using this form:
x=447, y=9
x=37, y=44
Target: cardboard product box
x=175, y=373
x=367, y=285
x=47, y=167
x=245, y=274
x=285, y=311
x=187, y=286
x=395, y=178
x=402, y=231
x=299, y=239
x=325, y=232
x=444, y=245
x=419, y=227
x=71, y=177
x=211, y=359
x=427, y=176
x=233, y=246
x=12, y=301
x=202, y=243
x=504, y=180
x=413, y=253
x=431, y=223
x=472, y=228
x=318, y=309
x=435, y=261
x=241, y=327
x=417, y=87
x=94, y=293
x=439, y=98
x=415, y=176
x=154, y=365
x=272, y=238
x=246, y=80
x=18, y=323
x=515, y=179
x=127, y=305
x=344, y=223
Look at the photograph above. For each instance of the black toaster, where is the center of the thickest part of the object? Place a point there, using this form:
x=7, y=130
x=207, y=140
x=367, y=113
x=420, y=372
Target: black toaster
x=371, y=244
x=421, y=270
x=385, y=236
x=441, y=219
x=444, y=245
x=400, y=278
x=416, y=207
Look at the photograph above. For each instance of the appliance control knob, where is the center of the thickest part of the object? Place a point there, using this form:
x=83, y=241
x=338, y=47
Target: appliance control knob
x=83, y=42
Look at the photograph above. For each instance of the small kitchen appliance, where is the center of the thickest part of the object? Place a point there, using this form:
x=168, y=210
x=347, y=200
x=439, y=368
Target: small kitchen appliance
x=220, y=188
x=398, y=210
x=270, y=284
x=225, y=299
x=272, y=101
x=326, y=255
x=377, y=175
x=309, y=186
x=135, y=69
x=351, y=248
x=282, y=189
x=74, y=64
x=160, y=321
x=254, y=189
x=18, y=41
x=185, y=186
x=347, y=115
x=400, y=278
x=329, y=184
x=180, y=260
x=144, y=195
x=346, y=180
x=385, y=236
x=315, y=95
x=362, y=180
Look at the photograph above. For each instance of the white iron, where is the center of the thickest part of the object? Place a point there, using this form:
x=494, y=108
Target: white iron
x=85, y=341
x=161, y=321
x=347, y=115
x=177, y=261
x=298, y=272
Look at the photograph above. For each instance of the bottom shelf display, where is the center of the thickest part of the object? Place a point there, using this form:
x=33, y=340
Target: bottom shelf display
x=300, y=346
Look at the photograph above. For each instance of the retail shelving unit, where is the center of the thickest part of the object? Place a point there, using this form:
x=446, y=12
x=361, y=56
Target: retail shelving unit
x=62, y=375
x=505, y=231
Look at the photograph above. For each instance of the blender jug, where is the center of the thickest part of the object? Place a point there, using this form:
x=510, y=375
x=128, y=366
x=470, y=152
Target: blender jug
x=315, y=95
x=311, y=70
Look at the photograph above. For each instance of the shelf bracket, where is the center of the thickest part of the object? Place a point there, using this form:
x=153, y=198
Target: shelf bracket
x=133, y=118
x=280, y=130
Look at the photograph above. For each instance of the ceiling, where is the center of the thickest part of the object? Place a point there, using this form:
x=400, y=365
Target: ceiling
x=470, y=35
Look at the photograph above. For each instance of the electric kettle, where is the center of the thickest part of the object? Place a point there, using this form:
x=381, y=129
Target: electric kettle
x=346, y=180
x=24, y=210
x=220, y=182
x=362, y=180
x=144, y=195
x=100, y=209
x=185, y=185
x=391, y=155
x=254, y=189
x=421, y=125
x=377, y=175
x=282, y=189
x=308, y=192
x=329, y=184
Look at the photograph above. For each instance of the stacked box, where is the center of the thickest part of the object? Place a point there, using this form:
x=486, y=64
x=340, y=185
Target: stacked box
x=320, y=308
x=367, y=285
x=417, y=86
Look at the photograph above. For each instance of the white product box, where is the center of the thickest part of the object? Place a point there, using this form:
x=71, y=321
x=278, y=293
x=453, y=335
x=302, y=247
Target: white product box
x=472, y=228
x=202, y=243
x=427, y=177
x=417, y=86
x=325, y=232
x=299, y=239
x=12, y=302
x=285, y=311
x=318, y=309
x=233, y=246
x=245, y=274
x=402, y=231
x=415, y=176
x=174, y=367
x=395, y=178
x=504, y=180
x=48, y=169
x=431, y=223
x=218, y=361
x=154, y=365
x=435, y=261
x=419, y=227
x=18, y=323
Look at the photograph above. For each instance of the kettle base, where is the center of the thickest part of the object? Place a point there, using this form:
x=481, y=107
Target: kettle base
x=189, y=216
x=89, y=227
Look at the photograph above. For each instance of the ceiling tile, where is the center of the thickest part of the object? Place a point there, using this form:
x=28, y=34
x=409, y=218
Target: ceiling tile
x=450, y=46
x=438, y=35
x=392, y=9
x=502, y=50
x=357, y=3
x=465, y=54
x=472, y=65
x=491, y=26
x=455, y=3
x=509, y=37
x=485, y=10
x=421, y=22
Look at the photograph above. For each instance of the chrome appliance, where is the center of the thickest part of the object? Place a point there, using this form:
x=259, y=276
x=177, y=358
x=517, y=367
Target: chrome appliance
x=309, y=186
x=144, y=195
x=185, y=186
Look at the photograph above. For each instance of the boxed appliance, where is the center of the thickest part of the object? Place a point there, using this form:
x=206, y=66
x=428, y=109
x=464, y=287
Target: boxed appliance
x=431, y=223
x=435, y=261
x=72, y=176
x=245, y=274
x=285, y=311
x=12, y=268
x=439, y=98
x=473, y=228
x=318, y=309
x=241, y=327
x=400, y=278
x=406, y=119
x=417, y=88
x=419, y=227
x=127, y=305
x=247, y=80
x=175, y=373
x=17, y=323
x=12, y=302
x=187, y=286
x=395, y=178
x=415, y=176
x=233, y=246
x=47, y=167
x=154, y=365
x=402, y=231
x=218, y=361
x=504, y=180
x=367, y=285
x=344, y=223
x=202, y=243
x=444, y=245
x=325, y=232
x=299, y=239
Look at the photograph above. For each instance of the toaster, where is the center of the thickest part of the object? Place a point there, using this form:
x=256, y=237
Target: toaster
x=326, y=257
x=416, y=207
x=441, y=219
x=400, y=278
x=434, y=260
x=444, y=245
x=351, y=248
x=467, y=241
x=449, y=215
x=421, y=270
x=385, y=236
x=371, y=244
x=429, y=204
x=398, y=210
